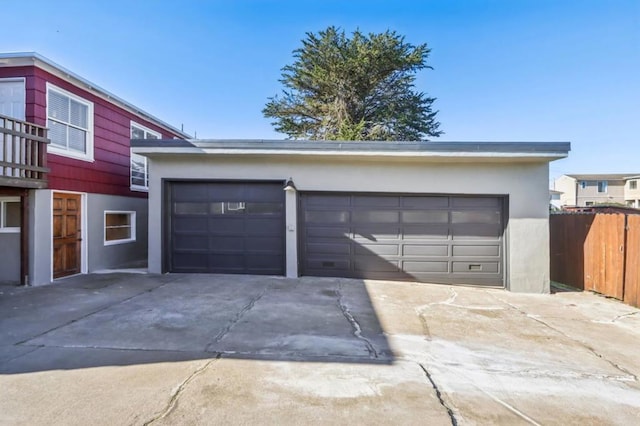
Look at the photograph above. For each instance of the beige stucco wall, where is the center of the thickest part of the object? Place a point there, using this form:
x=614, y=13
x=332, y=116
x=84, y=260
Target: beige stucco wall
x=566, y=185
x=614, y=194
x=526, y=184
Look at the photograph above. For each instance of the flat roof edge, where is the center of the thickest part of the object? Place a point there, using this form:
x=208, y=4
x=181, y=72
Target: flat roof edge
x=336, y=148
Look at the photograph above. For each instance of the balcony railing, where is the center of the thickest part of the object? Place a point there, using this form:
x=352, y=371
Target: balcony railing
x=23, y=154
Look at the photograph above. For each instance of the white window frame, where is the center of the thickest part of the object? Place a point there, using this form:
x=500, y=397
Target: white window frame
x=132, y=226
x=633, y=184
x=147, y=131
x=54, y=149
x=24, y=91
x=605, y=186
x=4, y=229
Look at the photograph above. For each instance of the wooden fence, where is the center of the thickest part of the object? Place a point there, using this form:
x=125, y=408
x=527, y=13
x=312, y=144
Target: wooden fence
x=598, y=252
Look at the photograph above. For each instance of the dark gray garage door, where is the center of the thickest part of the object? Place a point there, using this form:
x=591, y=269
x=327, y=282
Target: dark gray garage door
x=226, y=227
x=441, y=239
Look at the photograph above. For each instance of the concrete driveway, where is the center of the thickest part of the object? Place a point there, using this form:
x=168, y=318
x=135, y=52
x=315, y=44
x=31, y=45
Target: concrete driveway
x=208, y=349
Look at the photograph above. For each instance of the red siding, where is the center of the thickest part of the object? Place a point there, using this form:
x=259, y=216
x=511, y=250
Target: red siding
x=109, y=172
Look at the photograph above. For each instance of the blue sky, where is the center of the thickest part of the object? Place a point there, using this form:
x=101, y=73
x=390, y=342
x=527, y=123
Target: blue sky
x=504, y=70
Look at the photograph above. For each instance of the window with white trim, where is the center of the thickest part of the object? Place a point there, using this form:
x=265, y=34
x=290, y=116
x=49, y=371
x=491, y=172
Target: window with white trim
x=633, y=184
x=119, y=227
x=602, y=186
x=139, y=165
x=9, y=214
x=70, y=123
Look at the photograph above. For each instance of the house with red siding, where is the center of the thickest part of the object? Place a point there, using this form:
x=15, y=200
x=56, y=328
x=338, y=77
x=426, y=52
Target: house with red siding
x=73, y=198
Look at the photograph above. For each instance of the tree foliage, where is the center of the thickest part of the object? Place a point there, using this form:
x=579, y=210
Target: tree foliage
x=358, y=88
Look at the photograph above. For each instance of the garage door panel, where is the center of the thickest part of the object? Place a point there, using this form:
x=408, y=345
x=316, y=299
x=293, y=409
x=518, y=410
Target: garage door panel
x=189, y=223
x=476, y=267
x=476, y=232
x=375, y=216
x=264, y=227
x=225, y=243
x=476, y=202
x=377, y=249
x=326, y=232
x=189, y=193
x=327, y=217
x=224, y=226
x=262, y=244
x=329, y=248
x=263, y=262
x=425, y=202
x=374, y=264
x=377, y=233
x=191, y=208
x=226, y=261
x=376, y=201
x=319, y=201
x=189, y=260
x=476, y=250
x=425, y=216
x=328, y=263
x=426, y=232
x=426, y=267
x=191, y=241
x=476, y=216
x=425, y=250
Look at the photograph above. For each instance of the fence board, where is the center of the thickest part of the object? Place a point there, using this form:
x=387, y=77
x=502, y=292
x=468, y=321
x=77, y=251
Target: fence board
x=632, y=275
x=604, y=255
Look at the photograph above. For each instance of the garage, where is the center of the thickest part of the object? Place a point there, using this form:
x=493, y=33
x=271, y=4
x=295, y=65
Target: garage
x=226, y=227
x=470, y=213
x=440, y=239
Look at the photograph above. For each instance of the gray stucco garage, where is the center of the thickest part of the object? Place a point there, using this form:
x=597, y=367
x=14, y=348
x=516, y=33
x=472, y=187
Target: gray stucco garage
x=441, y=212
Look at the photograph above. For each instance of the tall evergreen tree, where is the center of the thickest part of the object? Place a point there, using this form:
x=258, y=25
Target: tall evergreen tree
x=358, y=88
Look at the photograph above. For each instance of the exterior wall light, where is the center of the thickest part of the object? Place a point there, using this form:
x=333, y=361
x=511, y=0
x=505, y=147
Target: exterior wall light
x=289, y=186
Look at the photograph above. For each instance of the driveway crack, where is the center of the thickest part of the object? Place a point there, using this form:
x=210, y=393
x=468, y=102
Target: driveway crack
x=591, y=349
x=452, y=416
x=103, y=308
x=246, y=308
x=173, y=400
x=357, y=330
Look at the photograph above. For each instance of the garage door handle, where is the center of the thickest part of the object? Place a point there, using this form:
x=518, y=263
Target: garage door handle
x=475, y=267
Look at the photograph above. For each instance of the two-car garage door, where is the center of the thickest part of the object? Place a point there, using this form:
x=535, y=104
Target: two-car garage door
x=442, y=239
x=239, y=227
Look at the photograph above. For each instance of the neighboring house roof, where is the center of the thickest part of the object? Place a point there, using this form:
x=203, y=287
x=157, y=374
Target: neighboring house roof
x=603, y=176
x=14, y=59
x=458, y=151
x=553, y=191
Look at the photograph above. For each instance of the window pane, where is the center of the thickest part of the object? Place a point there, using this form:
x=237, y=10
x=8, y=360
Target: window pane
x=77, y=139
x=471, y=216
x=138, y=170
x=222, y=207
x=57, y=133
x=114, y=234
x=151, y=136
x=79, y=114
x=137, y=133
x=12, y=214
x=118, y=219
x=58, y=107
x=425, y=216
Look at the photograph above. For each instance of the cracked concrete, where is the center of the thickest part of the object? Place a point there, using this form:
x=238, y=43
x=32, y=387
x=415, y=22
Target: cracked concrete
x=202, y=349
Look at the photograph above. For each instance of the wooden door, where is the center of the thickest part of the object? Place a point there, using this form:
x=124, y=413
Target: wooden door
x=67, y=235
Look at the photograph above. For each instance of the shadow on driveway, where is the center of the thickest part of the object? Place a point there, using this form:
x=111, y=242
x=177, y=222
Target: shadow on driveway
x=125, y=319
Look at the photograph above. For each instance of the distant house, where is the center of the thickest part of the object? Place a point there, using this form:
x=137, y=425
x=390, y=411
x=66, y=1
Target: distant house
x=73, y=199
x=584, y=190
x=554, y=199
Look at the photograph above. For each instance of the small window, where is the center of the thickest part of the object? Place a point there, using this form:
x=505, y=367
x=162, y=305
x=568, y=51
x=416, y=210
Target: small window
x=602, y=186
x=119, y=227
x=583, y=184
x=70, y=123
x=588, y=203
x=633, y=184
x=139, y=165
x=10, y=214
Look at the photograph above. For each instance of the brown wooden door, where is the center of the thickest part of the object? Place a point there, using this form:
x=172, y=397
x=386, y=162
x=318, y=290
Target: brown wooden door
x=67, y=235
